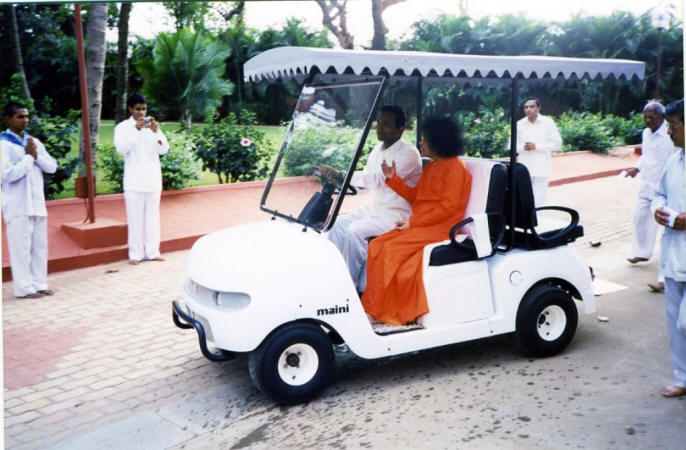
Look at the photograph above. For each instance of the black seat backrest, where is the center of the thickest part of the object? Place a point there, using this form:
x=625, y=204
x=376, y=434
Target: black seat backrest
x=526, y=220
x=525, y=209
x=497, y=189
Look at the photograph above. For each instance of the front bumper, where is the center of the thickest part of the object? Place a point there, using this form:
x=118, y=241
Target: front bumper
x=189, y=322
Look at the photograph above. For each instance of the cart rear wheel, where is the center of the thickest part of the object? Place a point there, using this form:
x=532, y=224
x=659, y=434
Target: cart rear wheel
x=293, y=364
x=546, y=321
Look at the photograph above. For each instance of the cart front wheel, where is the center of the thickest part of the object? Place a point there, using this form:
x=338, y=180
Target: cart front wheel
x=546, y=321
x=293, y=364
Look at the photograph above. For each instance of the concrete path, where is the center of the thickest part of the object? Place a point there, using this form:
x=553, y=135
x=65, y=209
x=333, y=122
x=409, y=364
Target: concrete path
x=100, y=365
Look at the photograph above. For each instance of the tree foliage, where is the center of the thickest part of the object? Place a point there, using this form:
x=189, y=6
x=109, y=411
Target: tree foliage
x=186, y=73
x=179, y=165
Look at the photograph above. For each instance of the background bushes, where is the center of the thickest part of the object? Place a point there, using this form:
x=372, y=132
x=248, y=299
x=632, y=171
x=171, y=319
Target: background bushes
x=179, y=165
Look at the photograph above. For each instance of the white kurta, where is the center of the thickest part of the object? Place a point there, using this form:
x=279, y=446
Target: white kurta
x=142, y=186
x=544, y=134
x=25, y=214
x=351, y=231
x=656, y=147
x=671, y=192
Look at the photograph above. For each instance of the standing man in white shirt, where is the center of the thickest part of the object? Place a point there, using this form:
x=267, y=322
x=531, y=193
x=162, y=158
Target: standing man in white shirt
x=537, y=138
x=141, y=142
x=670, y=211
x=656, y=148
x=351, y=231
x=24, y=160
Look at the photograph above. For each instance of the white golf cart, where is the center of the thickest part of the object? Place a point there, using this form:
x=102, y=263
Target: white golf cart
x=280, y=292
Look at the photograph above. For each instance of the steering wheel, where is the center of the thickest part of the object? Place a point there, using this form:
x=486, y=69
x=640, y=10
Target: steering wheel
x=332, y=179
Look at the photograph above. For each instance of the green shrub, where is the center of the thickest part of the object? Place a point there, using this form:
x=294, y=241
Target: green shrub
x=56, y=134
x=236, y=152
x=585, y=131
x=111, y=164
x=486, y=135
x=323, y=145
x=631, y=130
x=179, y=165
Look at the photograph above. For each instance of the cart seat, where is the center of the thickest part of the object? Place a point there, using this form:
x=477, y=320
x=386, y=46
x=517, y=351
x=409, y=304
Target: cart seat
x=484, y=224
x=527, y=230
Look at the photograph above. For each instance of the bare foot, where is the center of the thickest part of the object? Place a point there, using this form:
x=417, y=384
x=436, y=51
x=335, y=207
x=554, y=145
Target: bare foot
x=158, y=258
x=133, y=262
x=636, y=259
x=658, y=288
x=46, y=292
x=673, y=391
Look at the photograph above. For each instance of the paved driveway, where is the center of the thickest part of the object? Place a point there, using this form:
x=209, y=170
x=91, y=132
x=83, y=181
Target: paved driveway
x=100, y=365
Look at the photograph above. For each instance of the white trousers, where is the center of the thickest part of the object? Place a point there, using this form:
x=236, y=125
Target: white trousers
x=350, y=234
x=645, y=226
x=675, y=304
x=143, y=222
x=27, y=239
x=540, y=187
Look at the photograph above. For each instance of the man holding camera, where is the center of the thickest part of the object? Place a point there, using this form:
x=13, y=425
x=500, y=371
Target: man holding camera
x=140, y=141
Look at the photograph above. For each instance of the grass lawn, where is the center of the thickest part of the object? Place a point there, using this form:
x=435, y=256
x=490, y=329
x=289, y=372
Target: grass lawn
x=274, y=134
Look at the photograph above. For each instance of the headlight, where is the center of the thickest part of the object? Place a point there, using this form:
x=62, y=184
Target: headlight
x=227, y=301
x=231, y=301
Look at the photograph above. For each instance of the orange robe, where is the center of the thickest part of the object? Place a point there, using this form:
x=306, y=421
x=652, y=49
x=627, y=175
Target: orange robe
x=395, y=290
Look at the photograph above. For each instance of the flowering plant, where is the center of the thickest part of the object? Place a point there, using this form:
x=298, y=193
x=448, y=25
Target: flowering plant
x=245, y=142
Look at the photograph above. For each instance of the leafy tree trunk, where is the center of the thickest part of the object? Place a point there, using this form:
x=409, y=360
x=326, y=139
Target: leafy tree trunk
x=17, y=60
x=332, y=10
x=120, y=112
x=380, y=30
x=96, y=24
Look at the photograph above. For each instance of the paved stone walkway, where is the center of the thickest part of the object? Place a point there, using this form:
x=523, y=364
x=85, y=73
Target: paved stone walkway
x=100, y=364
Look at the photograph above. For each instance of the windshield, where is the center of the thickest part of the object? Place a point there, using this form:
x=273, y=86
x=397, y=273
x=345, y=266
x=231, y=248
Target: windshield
x=325, y=137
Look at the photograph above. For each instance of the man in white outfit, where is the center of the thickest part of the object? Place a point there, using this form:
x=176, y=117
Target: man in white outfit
x=351, y=231
x=141, y=142
x=24, y=160
x=670, y=211
x=537, y=138
x=656, y=148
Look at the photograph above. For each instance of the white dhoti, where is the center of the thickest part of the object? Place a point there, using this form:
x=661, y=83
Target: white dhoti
x=675, y=304
x=27, y=239
x=539, y=185
x=350, y=234
x=143, y=221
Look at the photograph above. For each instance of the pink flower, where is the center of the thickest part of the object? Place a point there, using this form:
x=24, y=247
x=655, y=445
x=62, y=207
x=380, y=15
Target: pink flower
x=245, y=142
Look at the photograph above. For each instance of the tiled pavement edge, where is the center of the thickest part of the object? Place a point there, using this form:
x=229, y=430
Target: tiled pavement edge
x=103, y=348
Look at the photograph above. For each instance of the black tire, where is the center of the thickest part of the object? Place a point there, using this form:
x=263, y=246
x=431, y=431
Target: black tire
x=546, y=321
x=293, y=364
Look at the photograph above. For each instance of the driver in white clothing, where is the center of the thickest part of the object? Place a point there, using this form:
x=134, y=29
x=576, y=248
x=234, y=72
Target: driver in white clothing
x=141, y=142
x=351, y=231
x=24, y=160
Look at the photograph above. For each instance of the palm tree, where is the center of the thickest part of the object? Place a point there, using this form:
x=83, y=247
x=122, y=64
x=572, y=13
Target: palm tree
x=186, y=72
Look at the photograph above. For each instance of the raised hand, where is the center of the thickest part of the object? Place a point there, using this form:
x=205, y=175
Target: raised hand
x=387, y=170
x=30, y=148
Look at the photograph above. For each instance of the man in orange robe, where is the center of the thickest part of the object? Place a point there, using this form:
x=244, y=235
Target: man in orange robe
x=395, y=291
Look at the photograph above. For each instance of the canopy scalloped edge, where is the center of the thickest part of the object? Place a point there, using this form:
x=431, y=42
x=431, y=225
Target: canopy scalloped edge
x=286, y=62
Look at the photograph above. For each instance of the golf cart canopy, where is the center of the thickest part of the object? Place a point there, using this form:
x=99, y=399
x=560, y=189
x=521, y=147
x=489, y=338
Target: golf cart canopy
x=287, y=62
x=340, y=98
